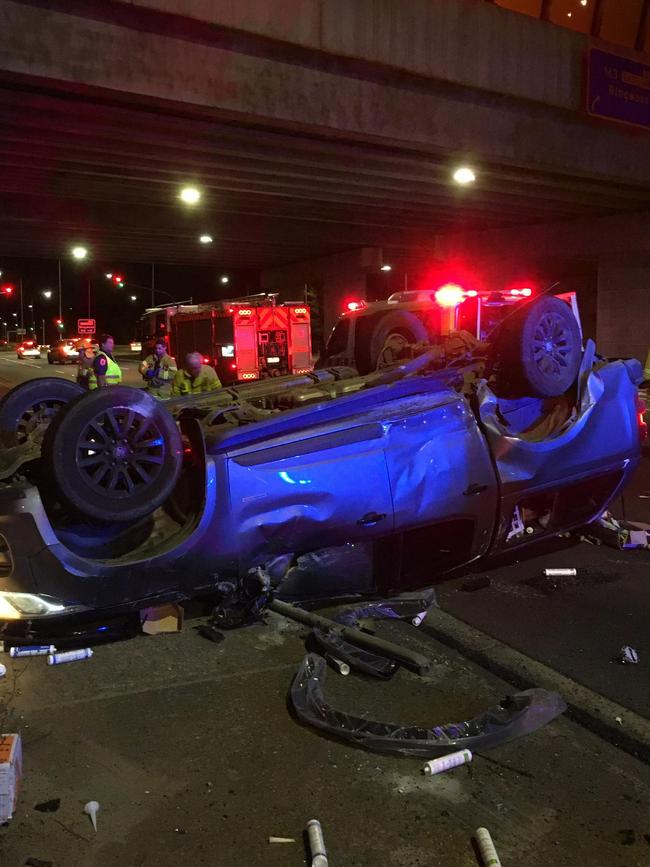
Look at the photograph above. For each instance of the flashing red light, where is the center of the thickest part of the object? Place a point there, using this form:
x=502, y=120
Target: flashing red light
x=233, y=366
x=526, y=291
x=640, y=412
x=244, y=311
x=471, y=293
x=354, y=305
x=249, y=376
x=300, y=311
x=7, y=289
x=231, y=310
x=206, y=360
x=450, y=295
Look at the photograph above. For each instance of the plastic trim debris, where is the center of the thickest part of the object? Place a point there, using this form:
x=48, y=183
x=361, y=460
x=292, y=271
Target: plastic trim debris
x=516, y=715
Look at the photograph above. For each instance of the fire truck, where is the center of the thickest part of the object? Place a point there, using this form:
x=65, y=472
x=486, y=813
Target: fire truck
x=247, y=338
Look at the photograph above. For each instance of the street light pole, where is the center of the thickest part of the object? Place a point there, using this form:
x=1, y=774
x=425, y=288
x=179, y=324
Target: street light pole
x=153, y=284
x=22, y=319
x=60, y=310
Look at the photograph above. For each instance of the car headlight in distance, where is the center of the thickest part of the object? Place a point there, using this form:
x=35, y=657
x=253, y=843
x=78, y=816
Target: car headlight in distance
x=16, y=606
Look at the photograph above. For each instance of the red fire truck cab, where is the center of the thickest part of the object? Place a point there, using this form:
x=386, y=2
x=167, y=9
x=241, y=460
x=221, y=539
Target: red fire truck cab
x=246, y=339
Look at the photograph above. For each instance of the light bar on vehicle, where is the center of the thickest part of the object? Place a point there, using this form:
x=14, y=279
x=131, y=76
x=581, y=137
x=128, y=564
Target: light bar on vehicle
x=351, y=306
x=450, y=295
x=526, y=292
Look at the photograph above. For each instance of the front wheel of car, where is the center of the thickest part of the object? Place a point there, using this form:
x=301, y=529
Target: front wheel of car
x=115, y=454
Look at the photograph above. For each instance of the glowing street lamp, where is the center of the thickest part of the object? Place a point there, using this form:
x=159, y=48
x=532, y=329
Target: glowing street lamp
x=464, y=175
x=206, y=239
x=79, y=252
x=190, y=195
x=225, y=279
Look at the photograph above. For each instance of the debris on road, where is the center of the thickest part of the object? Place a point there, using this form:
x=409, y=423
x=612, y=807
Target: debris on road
x=282, y=840
x=560, y=573
x=32, y=650
x=338, y=664
x=628, y=656
x=48, y=806
x=162, y=618
x=69, y=656
x=486, y=848
x=91, y=809
x=3, y=670
x=477, y=582
x=446, y=763
x=316, y=844
x=516, y=715
x=11, y=771
x=618, y=534
x=207, y=630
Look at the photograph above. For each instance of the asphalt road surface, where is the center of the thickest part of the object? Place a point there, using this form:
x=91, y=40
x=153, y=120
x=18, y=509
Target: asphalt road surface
x=13, y=371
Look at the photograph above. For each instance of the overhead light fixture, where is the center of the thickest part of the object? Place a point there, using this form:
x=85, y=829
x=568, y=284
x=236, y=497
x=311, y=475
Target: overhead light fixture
x=583, y=2
x=464, y=175
x=134, y=297
x=225, y=279
x=206, y=239
x=47, y=293
x=109, y=276
x=386, y=267
x=79, y=252
x=190, y=195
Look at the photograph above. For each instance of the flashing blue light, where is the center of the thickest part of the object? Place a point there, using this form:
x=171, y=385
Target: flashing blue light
x=287, y=478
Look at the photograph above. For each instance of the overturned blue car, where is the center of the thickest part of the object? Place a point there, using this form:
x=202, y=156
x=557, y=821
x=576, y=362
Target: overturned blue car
x=111, y=500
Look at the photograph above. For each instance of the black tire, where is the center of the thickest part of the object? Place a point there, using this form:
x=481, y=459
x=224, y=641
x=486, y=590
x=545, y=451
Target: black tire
x=115, y=454
x=29, y=408
x=400, y=322
x=50, y=360
x=540, y=348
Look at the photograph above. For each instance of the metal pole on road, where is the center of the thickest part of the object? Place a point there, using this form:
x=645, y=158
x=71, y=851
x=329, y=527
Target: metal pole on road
x=43, y=326
x=22, y=320
x=153, y=284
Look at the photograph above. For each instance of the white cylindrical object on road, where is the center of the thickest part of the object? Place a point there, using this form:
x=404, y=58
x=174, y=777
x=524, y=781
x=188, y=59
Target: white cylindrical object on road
x=69, y=656
x=32, y=650
x=446, y=763
x=486, y=848
x=418, y=619
x=316, y=844
x=560, y=573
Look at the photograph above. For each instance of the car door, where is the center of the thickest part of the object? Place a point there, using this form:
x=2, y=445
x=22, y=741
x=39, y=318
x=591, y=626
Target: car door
x=325, y=487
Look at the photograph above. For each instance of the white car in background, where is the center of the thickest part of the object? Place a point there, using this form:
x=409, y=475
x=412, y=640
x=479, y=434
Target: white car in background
x=28, y=349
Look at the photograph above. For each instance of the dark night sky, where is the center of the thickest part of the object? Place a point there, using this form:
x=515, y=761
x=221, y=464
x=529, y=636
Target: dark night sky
x=110, y=305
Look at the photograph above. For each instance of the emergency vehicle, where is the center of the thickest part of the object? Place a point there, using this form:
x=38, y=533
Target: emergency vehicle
x=375, y=333
x=246, y=339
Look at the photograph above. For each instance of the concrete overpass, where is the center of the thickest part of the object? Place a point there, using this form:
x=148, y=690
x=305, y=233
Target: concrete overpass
x=314, y=128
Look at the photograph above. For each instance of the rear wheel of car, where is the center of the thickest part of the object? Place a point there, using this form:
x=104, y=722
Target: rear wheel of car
x=115, y=454
x=28, y=409
x=50, y=360
x=540, y=347
x=399, y=327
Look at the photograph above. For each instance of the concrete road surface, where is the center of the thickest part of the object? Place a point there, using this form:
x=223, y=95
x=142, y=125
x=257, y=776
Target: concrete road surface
x=195, y=758
x=14, y=371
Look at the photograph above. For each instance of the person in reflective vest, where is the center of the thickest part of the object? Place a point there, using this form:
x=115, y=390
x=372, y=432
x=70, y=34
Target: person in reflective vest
x=105, y=370
x=158, y=370
x=85, y=360
x=195, y=377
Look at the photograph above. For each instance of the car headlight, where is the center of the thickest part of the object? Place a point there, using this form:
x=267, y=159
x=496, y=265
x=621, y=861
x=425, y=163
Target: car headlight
x=16, y=606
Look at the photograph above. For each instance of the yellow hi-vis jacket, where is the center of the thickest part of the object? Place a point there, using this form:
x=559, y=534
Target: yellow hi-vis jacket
x=113, y=375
